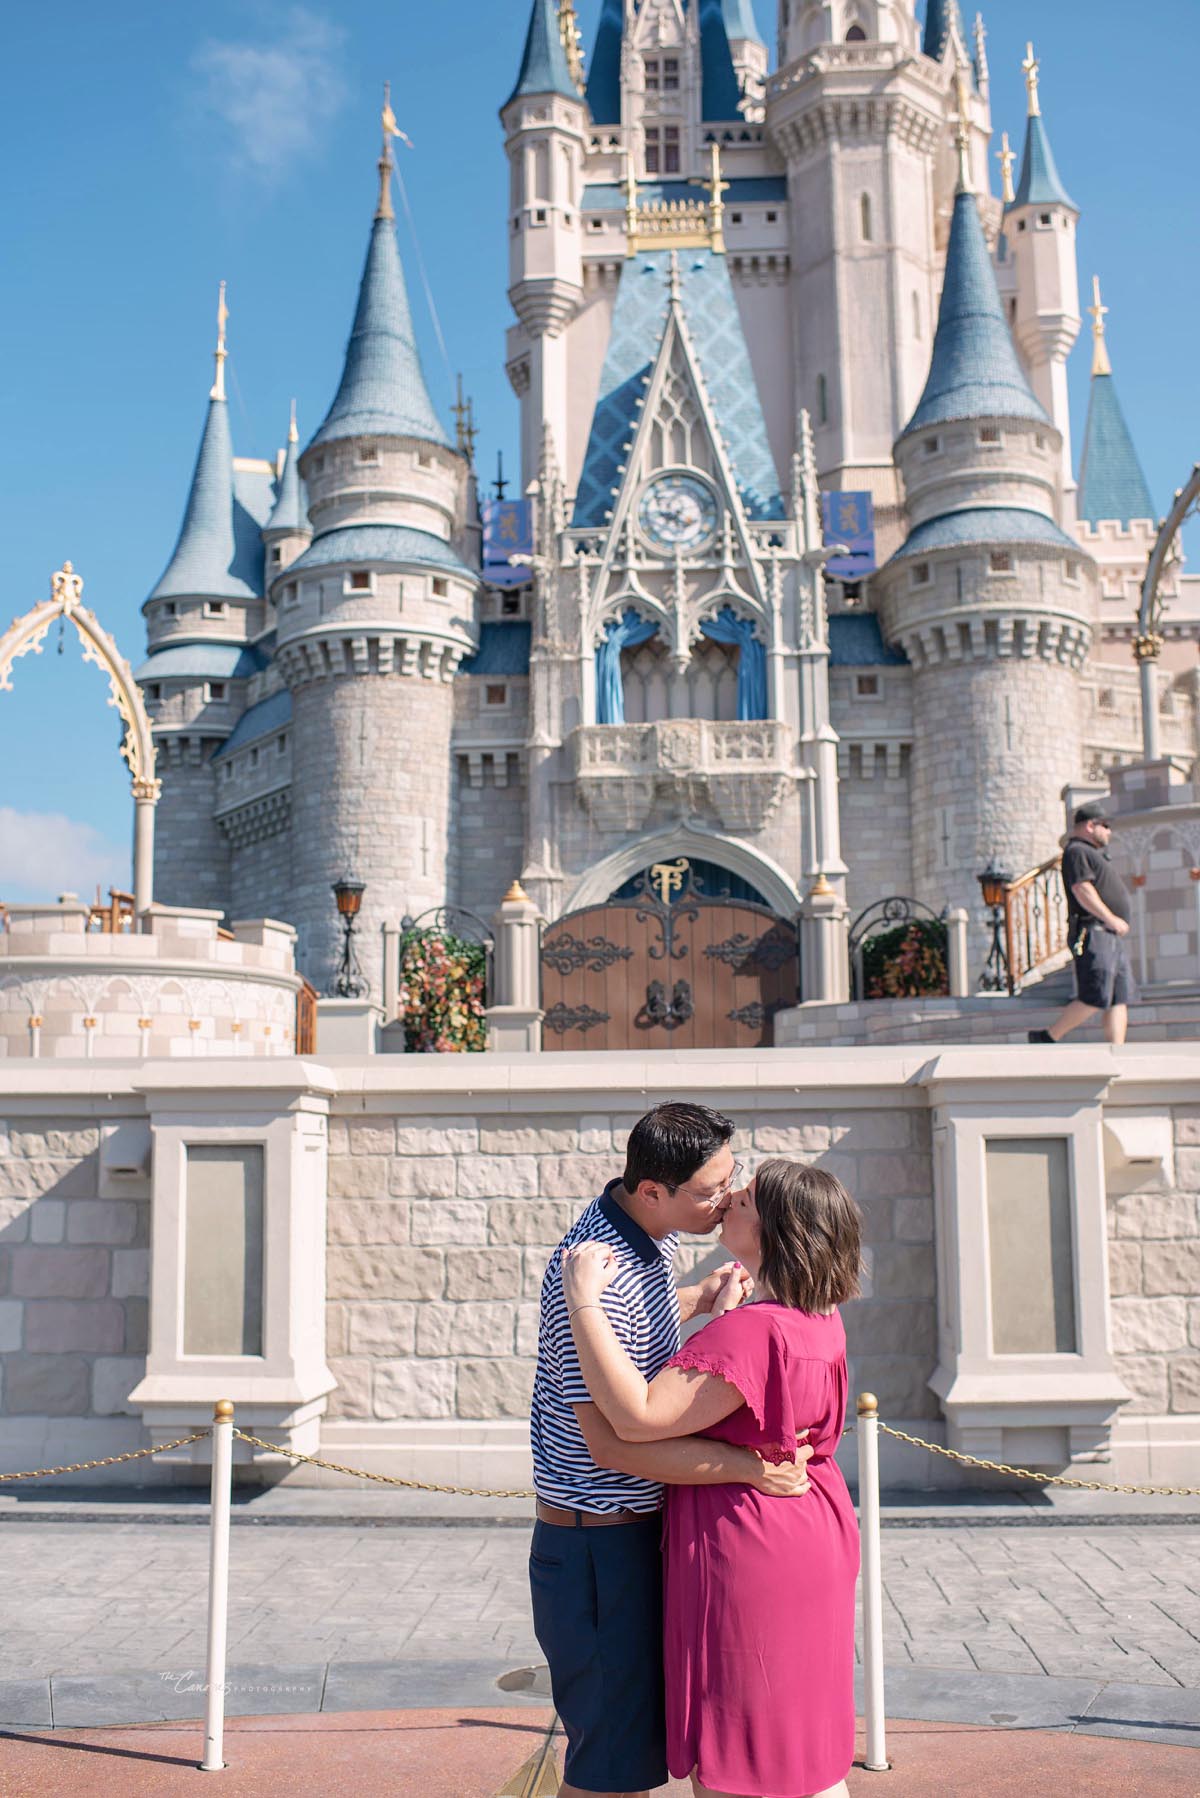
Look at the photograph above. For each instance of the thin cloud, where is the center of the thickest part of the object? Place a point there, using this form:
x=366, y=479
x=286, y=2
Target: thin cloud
x=274, y=99
x=43, y=854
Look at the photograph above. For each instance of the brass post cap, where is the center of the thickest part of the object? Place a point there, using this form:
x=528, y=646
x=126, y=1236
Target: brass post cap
x=868, y=1405
x=516, y=894
x=223, y=1410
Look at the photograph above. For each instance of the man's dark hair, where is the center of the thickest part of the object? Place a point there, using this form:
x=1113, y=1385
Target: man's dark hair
x=671, y=1142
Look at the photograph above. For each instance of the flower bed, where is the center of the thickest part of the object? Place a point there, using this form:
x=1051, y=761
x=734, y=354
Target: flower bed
x=443, y=981
x=907, y=962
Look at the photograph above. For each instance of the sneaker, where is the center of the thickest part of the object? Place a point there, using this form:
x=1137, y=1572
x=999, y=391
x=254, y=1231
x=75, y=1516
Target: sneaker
x=1040, y=1036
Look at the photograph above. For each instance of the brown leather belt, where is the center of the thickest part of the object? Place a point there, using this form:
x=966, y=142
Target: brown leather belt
x=588, y=1520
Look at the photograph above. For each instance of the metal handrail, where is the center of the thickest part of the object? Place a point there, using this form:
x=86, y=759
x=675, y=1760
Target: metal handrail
x=1035, y=921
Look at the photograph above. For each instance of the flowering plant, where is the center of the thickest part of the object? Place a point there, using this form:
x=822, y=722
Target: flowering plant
x=442, y=978
x=908, y=962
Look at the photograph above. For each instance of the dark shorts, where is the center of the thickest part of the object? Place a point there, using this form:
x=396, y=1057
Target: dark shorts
x=597, y=1614
x=1103, y=972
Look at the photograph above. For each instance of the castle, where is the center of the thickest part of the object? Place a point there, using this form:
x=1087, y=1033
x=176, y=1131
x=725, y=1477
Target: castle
x=805, y=588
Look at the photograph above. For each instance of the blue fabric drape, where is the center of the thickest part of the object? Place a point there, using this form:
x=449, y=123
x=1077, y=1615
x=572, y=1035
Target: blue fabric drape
x=621, y=633
x=727, y=627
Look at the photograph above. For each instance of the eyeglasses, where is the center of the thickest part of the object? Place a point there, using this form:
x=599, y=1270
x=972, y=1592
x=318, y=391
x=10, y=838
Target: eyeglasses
x=722, y=1191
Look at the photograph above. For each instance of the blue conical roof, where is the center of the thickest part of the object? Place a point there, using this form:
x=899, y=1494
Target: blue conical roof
x=974, y=371
x=1111, y=481
x=739, y=20
x=203, y=559
x=940, y=16
x=544, y=66
x=383, y=391
x=720, y=94
x=604, y=70
x=1040, y=183
x=289, y=512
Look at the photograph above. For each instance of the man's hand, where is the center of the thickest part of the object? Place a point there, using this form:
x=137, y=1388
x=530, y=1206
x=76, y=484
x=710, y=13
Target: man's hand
x=1120, y=925
x=705, y=1293
x=788, y=1479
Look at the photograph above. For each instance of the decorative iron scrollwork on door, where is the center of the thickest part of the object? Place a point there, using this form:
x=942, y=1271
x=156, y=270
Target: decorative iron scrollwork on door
x=560, y=1018
x=667, y=898
x=668, y=1013
x=767, y=953
x=566, y=954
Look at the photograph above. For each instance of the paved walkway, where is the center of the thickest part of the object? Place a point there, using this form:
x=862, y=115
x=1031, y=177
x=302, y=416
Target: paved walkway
x=475, y=1754
x=106, y=1598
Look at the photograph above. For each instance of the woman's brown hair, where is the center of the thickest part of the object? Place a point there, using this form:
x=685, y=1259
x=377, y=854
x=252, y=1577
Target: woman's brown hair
x=811, y=1233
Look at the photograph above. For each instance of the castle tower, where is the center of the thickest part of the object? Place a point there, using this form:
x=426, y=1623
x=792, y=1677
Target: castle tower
x=200, y=619
x=545, y=121
x=1116, y=522
x=373, y=619
x=990, y=599
x=860, y=134
x=747, y=52
x=1039, y=226
x=287, y=531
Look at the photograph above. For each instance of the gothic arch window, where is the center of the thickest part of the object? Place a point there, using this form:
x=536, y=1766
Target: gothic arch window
x=541, y=172
x=856, y=35
x=678, y=437
x=822, y=400
x=864, y=215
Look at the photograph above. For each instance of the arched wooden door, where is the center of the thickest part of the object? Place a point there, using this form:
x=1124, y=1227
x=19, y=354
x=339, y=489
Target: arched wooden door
x=669, y=968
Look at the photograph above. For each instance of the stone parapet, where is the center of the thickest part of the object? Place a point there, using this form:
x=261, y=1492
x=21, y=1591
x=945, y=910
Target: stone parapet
x=740, y=769
x=181, y=986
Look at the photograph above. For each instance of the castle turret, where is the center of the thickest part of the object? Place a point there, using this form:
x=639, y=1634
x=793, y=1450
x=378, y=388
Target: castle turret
x=1039, y=227
x=991, y=600
x=200, y=618
x=373, y=619
x=287, y=531
x=1116, y=521
x=545, y=121
x=747, y=52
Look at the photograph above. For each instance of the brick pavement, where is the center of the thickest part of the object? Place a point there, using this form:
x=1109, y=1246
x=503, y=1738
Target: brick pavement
x=1108, y=1602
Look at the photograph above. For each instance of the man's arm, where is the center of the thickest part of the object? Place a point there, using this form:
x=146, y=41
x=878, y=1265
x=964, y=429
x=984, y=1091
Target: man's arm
x=690, y=1460
x=1086, y=896
x=698, y=1300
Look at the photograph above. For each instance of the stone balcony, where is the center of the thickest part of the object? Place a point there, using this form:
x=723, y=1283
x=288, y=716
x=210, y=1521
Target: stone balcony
x=739, y=770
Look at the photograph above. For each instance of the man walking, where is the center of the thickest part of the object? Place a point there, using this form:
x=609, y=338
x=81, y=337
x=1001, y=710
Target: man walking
x=594, y=1567
x=1098, y=914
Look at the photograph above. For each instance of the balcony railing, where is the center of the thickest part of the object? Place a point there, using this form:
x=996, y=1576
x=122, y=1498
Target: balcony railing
x=742, y=768
x=1035, y=922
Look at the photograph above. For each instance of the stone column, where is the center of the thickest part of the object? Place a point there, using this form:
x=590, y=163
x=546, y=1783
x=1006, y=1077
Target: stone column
x=145, y=798
x=515, y=1019
x=956, y=953
x=824, y=962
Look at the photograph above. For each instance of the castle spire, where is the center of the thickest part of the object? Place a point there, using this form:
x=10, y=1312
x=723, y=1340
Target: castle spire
x=1100, y=362
x=389, y=129
x=382, y=392
x=202, y=562
x=545, y=67
x=1112, y=482
x=604, y=70
x=1006, y=156
x=974, y=371
x=1040, y=183
x=218, y=387
x=289, y=513
x=942, y=17
x=962, y=130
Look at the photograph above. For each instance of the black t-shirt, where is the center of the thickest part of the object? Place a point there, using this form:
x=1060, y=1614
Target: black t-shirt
x=1084, y=861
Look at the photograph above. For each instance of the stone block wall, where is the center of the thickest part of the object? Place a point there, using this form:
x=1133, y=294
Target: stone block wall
x=440, y=1226
x=1154, y=1276
x=74, y=1277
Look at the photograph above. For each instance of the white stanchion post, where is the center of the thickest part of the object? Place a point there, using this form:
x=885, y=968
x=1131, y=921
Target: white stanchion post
x=872, y=1581
x=218, y=1587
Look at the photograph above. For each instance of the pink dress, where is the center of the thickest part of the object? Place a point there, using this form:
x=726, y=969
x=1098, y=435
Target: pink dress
x=759, y=1606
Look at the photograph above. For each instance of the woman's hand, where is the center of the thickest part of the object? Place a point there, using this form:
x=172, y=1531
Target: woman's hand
x=586, y=1270
x=735, y=1288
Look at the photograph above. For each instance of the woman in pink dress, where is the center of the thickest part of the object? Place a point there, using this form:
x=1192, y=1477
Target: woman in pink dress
x=759, y=1612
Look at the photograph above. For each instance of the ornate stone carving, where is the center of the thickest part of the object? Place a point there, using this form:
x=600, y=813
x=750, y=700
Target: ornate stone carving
x=741, y=770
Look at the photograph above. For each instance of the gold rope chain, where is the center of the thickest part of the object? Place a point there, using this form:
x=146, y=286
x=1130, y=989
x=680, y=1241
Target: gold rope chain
x=386, y=1479
x=1042, y=1479
x=133, y=1454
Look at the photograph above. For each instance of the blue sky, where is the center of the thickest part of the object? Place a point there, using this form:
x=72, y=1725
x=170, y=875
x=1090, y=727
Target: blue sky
x=155, y=149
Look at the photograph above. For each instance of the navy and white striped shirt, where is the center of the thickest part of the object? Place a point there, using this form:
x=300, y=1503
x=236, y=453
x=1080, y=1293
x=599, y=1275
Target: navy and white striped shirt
x=643, y=1308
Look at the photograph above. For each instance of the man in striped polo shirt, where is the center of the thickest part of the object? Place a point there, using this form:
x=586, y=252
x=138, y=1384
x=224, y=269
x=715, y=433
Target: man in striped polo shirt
x=594, y=1566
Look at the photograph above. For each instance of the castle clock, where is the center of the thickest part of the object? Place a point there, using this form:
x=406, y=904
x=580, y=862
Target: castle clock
x=677, y=511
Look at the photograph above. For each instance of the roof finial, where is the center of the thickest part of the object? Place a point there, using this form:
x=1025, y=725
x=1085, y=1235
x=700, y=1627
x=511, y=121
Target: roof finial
x=293, y=433
x=962, y=137
x=675, y=291
x=217, y=391
x=464, y=423
x=1031, y=65
x=1100, y=362
x=981, y=61
x=572, y=40
x=387, y=120
x=1007, y=156
x=716, y=206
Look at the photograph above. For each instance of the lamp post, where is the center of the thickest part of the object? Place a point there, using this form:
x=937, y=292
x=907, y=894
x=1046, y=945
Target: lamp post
x=992, y=883
x=350, y=983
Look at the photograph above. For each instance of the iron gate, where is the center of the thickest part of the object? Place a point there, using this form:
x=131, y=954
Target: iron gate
x=668, y=968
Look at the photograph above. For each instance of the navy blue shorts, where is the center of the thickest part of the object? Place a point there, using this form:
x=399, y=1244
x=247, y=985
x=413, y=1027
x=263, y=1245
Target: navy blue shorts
x=1103, y=971
x=597, y=1614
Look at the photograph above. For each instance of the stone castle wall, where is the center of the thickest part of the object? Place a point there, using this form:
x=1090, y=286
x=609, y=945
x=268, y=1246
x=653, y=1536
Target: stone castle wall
x=1154, y=1274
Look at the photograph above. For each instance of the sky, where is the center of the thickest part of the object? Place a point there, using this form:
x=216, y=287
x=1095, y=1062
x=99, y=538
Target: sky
x=154, y=149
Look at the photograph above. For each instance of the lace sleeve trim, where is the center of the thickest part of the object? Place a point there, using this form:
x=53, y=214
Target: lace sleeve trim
x=700, y=1362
